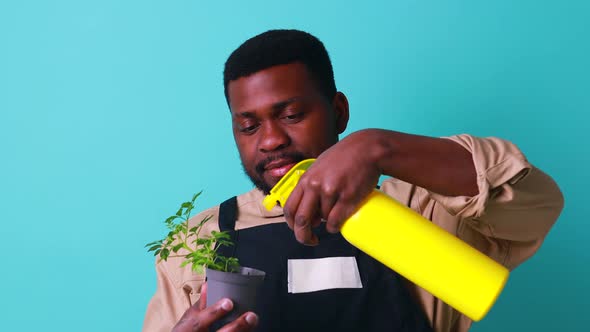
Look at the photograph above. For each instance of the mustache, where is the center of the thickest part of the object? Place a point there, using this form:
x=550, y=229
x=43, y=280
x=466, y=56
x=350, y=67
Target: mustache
x=294, y=157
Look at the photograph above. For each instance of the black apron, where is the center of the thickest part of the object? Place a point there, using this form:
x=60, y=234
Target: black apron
x=382, y=304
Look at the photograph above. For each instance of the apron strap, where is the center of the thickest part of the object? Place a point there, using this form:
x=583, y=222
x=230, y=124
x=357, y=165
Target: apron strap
x=228, y=211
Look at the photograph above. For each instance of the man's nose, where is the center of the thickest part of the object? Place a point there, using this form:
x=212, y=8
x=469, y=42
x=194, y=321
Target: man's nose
x=273, y=138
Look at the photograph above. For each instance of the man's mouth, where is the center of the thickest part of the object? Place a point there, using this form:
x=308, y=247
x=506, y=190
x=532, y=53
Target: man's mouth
x=273, y=168
x=278, y=168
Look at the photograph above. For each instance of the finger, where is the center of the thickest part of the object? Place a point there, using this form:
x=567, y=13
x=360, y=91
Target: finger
x=210, y=314
x=340, y=212
x=291, y=206
x=203, y=298
x=246, y=322
x=315, y=222
x=329, y=199
x=327, y=203
x=193, y=311
x=307, y=209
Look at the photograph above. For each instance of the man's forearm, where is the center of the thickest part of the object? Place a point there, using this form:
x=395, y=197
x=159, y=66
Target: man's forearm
x=436, y=164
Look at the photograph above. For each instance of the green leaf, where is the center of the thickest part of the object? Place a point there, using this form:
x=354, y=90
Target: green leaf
x=153, y=243
x=195, y=196
x=164, y=253
x=202, y=222
x=215, y=266
x=154, y=247
x=179, y=212
x=225, y=243
x=177, y=247
x=201, y=241
x=170, y=219
x=201, y=261
x=222, y=235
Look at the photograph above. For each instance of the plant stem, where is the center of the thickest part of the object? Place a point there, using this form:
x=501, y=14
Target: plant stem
x=186, y=234
x=175, y=256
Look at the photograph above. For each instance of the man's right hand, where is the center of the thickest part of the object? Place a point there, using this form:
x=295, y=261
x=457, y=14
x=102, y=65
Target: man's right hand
x=199, y=317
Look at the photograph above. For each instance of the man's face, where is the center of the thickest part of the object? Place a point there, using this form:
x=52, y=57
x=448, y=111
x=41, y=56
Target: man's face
x=279, y=117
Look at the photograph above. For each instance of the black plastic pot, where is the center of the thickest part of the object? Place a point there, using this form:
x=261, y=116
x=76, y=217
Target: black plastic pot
x=240, y=287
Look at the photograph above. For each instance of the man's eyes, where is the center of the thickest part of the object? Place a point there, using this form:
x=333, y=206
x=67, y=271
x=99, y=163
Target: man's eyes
x=248, y=129
x=293, y=117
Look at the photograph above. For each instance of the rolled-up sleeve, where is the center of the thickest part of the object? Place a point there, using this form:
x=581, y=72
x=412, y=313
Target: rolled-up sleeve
x=168, y=303
x=517, y=203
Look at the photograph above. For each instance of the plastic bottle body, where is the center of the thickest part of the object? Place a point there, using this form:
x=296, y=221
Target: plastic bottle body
x=426, y=254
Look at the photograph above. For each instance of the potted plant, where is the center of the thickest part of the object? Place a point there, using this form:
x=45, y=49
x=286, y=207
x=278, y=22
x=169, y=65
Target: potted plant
x=225, y=277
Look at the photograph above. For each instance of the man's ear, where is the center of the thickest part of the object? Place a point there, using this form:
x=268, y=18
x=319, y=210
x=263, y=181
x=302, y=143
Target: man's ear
x=340, y=106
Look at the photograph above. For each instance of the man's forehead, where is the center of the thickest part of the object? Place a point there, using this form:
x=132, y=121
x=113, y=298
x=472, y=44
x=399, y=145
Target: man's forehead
x=270, y=86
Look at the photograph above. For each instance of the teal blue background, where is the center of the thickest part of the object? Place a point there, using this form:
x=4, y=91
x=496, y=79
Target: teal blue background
x=112, y=113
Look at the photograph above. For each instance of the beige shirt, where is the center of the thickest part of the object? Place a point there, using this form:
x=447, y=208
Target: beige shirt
x=516, y=206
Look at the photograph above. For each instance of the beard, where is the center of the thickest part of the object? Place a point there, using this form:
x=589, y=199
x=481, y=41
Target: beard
x=257, y=176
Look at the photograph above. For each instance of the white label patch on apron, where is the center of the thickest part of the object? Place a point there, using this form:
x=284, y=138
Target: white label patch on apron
x=311, y=275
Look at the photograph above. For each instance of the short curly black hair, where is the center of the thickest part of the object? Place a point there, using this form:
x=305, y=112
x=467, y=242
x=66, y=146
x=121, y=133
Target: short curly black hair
x=279, y=47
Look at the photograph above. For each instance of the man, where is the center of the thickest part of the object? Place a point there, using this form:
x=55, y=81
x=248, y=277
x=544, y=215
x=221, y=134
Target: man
x=285, y=108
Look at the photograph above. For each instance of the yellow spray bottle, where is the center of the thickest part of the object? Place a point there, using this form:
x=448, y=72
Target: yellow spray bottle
x=416, y=248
